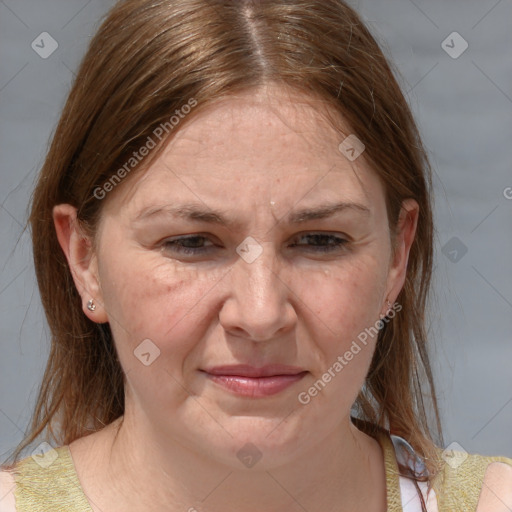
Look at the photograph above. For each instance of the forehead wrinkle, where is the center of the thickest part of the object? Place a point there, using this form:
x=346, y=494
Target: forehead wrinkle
x=200, y=213
x=301, y=115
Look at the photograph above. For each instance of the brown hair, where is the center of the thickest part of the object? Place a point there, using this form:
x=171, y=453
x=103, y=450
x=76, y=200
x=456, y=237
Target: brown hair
x=148, y=59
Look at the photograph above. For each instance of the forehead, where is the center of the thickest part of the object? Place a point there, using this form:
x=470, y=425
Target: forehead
x=275, y=127
x=270, y=144
x=271, y=130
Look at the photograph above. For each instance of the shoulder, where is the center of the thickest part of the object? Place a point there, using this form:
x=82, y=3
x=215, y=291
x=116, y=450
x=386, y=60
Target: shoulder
x=7, y=485
x=30, y=478
x=481, y=483
x=45, y=480
x=496, y=492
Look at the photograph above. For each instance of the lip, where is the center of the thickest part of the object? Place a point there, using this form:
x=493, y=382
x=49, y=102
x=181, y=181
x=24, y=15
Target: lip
x=249, y=381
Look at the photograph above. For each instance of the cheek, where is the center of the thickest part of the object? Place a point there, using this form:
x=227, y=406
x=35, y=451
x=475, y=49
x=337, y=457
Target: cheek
x=344, y=299
x=344, y=306
x=156, y=299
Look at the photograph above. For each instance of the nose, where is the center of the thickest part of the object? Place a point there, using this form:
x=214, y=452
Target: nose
x=258, y=304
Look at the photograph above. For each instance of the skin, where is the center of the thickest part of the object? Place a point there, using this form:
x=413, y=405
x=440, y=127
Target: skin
x=255, y=158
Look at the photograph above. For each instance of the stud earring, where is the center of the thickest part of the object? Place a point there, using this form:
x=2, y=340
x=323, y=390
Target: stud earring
x=91, y=306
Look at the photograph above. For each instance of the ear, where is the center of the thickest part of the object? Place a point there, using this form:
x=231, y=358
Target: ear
x=82, y=261
x=405, y=231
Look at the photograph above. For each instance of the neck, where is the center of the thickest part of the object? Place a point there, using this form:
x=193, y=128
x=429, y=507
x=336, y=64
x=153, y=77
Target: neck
x=344, y=473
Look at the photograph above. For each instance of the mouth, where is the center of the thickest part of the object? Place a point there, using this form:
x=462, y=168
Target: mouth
x=249, y=381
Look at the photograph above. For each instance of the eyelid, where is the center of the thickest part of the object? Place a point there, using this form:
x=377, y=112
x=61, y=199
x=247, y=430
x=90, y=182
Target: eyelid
x=172, y=245
x=178, y=238
x=340, y=244
x=333, y=234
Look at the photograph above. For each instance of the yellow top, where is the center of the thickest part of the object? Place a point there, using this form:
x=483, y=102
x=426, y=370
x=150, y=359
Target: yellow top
x=42, y=487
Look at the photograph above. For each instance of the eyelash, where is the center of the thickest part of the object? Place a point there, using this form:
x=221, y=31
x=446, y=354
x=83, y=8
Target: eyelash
x=174, y=245
x=339, y=243
x=187, y=251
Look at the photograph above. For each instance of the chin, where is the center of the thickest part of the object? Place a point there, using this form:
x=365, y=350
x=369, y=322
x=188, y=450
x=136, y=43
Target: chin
x=259, y=442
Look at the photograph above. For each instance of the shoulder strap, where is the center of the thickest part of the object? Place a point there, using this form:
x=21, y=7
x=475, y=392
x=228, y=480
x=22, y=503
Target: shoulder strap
x=49, y=484
x=460, y=481
x=394, y=500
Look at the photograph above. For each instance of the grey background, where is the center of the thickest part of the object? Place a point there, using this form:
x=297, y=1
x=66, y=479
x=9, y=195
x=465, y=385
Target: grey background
x=463, y=107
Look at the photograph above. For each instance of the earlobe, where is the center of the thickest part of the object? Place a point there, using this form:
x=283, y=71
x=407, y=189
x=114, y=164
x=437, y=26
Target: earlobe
x=78, y=249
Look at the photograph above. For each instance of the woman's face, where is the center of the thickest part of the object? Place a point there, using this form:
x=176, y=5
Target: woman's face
x=251, y=240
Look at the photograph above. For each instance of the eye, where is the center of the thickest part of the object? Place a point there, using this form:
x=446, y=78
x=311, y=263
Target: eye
x=320, y=242
x=190, y=245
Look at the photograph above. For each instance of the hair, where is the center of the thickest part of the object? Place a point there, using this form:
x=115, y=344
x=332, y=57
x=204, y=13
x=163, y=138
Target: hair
x=148, y=59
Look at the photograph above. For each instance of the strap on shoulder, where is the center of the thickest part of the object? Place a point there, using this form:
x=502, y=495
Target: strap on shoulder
x=49, y=484
x=459, y=482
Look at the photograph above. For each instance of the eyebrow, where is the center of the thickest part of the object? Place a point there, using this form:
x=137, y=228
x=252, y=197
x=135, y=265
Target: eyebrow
x=201, y=213
x=325, y=211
